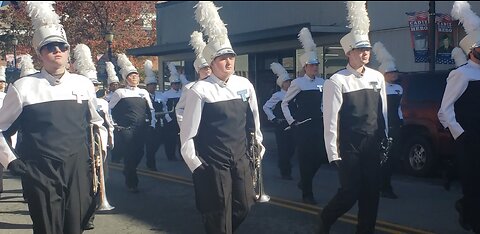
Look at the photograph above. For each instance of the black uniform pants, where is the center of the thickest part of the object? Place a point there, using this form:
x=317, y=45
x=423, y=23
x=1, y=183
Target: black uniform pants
x=224, y=194
x=131, y=148
x=285, y=148
x=468, y=153
x=116, y=154
x=311, y=153
x=358, y=174
x=172, y=139
x=152, y=143
x=59, y=193
x=393, y=159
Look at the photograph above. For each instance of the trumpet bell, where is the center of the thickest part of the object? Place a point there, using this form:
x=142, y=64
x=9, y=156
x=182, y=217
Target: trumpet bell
x=105, y=206
x=263, y=198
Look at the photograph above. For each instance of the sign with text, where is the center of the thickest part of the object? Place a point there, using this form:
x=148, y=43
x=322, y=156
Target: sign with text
x=445, y=29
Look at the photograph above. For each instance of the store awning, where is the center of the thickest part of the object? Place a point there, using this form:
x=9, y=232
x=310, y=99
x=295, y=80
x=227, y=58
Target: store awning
x=256, y=37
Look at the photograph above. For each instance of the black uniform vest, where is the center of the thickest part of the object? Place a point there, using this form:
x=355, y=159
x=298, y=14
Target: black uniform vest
x=467, y=108
x=393, y=102
x=222, y=131
x=359, y=113
x=307, y=104
x=55, y=129
x=131, y=111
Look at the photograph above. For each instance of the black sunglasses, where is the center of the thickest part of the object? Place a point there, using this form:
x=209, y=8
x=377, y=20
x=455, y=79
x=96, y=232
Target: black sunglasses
x=52, y=47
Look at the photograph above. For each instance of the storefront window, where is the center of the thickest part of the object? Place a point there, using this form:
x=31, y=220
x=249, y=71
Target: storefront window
x=241, y=65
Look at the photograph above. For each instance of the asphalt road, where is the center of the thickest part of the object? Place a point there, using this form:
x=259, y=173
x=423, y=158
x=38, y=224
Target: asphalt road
x=166, y=203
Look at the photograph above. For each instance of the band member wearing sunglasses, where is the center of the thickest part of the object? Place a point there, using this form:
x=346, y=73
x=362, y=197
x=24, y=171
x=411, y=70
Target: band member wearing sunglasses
x=54, y=109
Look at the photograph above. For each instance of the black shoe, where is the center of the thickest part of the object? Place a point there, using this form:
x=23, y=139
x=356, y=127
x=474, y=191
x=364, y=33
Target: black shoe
x=388, y=194
x=89, y=225
x=461, y=219
x=287, y=177
x=321, y=227
x=152, y=168
x=309, y=200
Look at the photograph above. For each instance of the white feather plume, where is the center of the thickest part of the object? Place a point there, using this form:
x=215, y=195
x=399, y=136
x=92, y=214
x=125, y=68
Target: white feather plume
x=123, y=61
x=26, y=61
x=278, y=69
x=26, y=65
x=148, y=66
x=196, y=41
x=110, y=69
x=172, y=69
x=461, y=11
x=83, y=59
x=358, y=17
x=381, y=53
x=459, y=56
x=42, y=13
x=212, y=25
x=306, y=39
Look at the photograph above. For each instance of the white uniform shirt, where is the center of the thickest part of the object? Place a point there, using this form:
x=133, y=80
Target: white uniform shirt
x=45, y=91
x=132, y=92
x=212, y=91
x=457, y=83
x=272, y=102
x=179, y=108
x=298, y=85
x=169, y=94
x=344, y=82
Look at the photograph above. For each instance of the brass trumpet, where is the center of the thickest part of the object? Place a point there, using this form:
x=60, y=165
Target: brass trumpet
x=98, y=180
x=260, y=195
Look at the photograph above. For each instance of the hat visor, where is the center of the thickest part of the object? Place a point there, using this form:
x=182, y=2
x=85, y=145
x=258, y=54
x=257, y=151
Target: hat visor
x=131, y=73
x=224, y=51
x=363, y=45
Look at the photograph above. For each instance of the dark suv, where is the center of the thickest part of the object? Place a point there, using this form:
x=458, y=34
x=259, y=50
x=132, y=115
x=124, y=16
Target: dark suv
x=425, y=143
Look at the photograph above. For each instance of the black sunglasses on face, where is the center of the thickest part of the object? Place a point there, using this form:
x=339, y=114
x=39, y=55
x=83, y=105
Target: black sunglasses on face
x=52, y=47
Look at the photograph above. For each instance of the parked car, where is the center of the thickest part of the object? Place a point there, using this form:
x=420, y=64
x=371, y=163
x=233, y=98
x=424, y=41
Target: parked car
x=425, y=142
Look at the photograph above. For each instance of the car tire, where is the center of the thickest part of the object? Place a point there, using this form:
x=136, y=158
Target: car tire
x=418, y=156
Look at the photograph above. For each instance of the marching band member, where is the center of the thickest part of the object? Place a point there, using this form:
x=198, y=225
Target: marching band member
x=172, y=129
x=219, y=113
x=55, y=107
x=112, y=81
x=201, y=67
x=355, y=120
x=154, y=136
x=133, y=112
x=459, y=113
x=302, y=107
x=273, y=110
x=395, y=117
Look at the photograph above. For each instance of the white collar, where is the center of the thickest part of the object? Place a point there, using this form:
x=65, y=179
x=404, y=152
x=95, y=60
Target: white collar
x=51, y=79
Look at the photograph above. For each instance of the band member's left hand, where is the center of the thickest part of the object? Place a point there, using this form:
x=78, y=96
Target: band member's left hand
x=17, y=167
